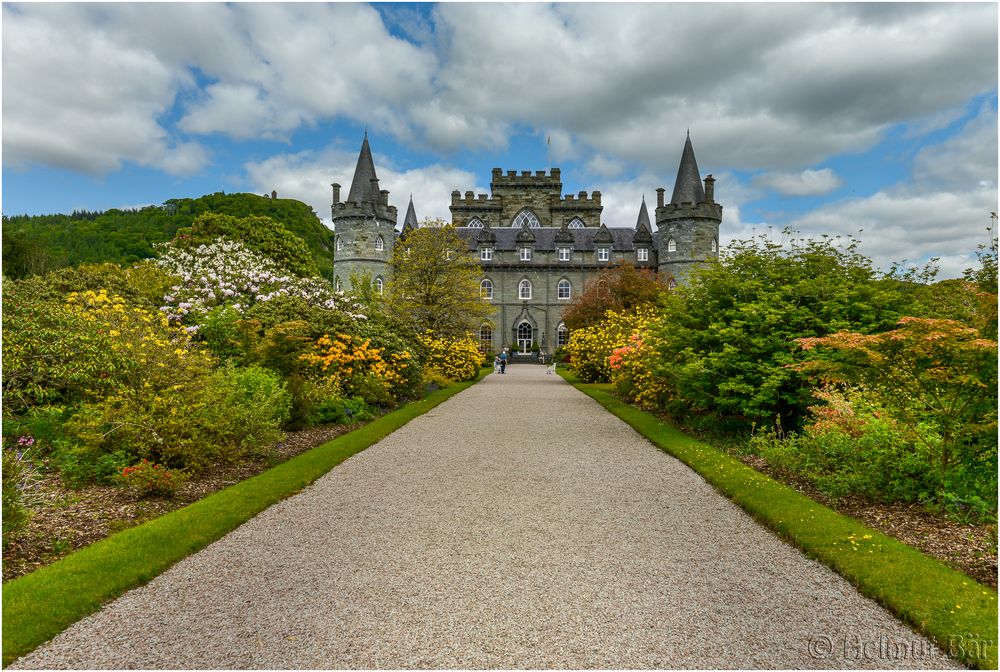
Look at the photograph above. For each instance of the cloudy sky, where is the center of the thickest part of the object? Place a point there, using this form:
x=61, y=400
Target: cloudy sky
x=822, y=118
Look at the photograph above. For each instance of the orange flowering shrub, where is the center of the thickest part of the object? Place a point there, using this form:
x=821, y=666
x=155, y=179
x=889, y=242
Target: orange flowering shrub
x=590, y=349
x=356, y=368
x=454, y=358
x=632, y=370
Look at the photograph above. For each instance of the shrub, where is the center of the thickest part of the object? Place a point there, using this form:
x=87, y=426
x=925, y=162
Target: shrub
x=19, y=488
x=454, y=358
x=590, y=349
x=633, y=370
x=341, y=411
x=147, y=479
x=227, y=335
x=355, y=368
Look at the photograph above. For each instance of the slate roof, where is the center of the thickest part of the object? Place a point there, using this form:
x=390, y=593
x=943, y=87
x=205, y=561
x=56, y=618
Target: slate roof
x=363, y=190
x=411, y=216
x=688, y=187
x=545, y=238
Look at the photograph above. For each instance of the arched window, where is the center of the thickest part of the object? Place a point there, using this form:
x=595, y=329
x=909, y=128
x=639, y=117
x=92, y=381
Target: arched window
x=671, y=245
x=525, y=337
x=340, y=243
x=526, y=216
x=336, y=283
x=486, y=338
x=379, y=244
x=563, y=289
x=379, y=285
x=562, y=335
x=524, y=289
x=475, y=223
x=715, y=245
x=486, y=289
x=576, y=223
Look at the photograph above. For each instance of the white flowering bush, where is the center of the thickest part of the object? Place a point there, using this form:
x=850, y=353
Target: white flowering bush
x=226, y=272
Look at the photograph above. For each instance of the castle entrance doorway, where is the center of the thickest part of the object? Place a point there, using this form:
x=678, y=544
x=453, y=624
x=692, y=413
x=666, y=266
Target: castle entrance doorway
x=524, y=338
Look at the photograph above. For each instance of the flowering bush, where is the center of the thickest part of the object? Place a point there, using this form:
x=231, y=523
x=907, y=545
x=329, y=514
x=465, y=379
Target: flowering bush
x=633, y=370
x=590, y=349
x=147, y=479
x=454, y=358
x=227, y=272
x=354, y=367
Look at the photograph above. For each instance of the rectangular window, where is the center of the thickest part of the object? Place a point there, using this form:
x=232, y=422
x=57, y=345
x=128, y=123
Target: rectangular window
x=563, y=254
x=603, y=254
x=486, y=254
x=642, y=254
x=525, y=254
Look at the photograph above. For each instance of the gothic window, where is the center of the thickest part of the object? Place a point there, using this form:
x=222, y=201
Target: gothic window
x=525, y=254
x=486, y=338
x=603, y=254
x=486, y=289
x=563, y=254
x=524, y=289
x=563, y=289
x=562, y=335
x=475, y=223
x=486, y=254
x=340, y=243
x=642, y=254
x=379, y=244
x=576, y=223
x=379, y=285
x=671, y=245
x=715, y=245
x=526, y=216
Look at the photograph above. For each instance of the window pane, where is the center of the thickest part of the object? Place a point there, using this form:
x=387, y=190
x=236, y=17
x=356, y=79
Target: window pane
x=486, y=289
x=475, y=223
x=524, y=289
x=563, y=290
x=576, y=223
x=526, y=216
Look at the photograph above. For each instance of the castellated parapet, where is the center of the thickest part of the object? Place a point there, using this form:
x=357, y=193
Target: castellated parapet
x=540, y=192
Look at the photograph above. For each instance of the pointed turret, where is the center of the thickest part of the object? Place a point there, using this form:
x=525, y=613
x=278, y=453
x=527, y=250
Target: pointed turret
x=688, y=187
x=410, y=221
x=643, y=229
x=364, y=188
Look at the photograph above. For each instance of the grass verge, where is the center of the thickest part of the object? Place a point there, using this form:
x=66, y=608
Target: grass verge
x=957, y=612
x=40, y=605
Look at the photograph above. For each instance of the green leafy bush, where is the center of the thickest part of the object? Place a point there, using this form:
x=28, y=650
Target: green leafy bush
x=341, y=411
x=147, y=479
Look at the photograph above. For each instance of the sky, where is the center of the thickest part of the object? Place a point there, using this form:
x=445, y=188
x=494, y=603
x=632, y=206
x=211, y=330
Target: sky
x=877, y=121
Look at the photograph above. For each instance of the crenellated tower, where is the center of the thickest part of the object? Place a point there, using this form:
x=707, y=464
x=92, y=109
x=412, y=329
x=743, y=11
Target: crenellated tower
x=689, y=224
x=364, y=225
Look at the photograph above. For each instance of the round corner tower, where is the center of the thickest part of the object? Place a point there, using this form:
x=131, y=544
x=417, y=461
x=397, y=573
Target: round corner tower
x=364, y=226
x=688, y=225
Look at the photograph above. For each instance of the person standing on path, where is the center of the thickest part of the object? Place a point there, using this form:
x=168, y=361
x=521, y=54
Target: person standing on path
x=503, y=361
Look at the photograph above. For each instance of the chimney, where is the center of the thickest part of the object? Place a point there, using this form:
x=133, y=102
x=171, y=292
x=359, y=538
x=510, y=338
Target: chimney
x=385, y=196
x=336, y=193
x=659, y=197
x=710, y=189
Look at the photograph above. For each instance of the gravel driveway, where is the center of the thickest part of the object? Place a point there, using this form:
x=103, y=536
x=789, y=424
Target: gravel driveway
x=517, y=525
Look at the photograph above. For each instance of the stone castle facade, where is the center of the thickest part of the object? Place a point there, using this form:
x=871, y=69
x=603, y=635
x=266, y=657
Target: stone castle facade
x=537, y=247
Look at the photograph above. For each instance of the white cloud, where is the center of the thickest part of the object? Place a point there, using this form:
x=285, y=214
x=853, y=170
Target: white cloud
x=307, y=176
x=803, y=183
x=605, y=166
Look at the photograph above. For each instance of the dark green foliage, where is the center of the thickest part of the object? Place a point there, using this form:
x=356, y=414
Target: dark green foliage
x=341, y=411
x=141, y=285
x=36, y=244
x=260, y=234
x=728, y=336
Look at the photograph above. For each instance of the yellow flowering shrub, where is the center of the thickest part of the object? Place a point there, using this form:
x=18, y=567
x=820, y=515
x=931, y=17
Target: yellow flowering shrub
x=632, y=368
x=357, y=368
x=454, y=358
x=590, y=349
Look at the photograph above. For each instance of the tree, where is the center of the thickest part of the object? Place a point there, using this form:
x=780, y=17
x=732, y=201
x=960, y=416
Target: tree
x=619, y=288
x=434, y=283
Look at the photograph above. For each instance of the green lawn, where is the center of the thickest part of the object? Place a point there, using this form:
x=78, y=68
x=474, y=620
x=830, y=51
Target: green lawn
x=40, y=605
x=956, y=611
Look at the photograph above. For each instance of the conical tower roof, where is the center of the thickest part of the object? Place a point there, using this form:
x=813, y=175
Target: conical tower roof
x=410, y=221
x=643, y=221
x=688, y=187
x=364, y=188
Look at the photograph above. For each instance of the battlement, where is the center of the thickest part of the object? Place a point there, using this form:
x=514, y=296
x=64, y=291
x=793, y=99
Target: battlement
x=343, y=209
x=578, y=201
x=472, y=198
x=672, y=211
x=526, y=179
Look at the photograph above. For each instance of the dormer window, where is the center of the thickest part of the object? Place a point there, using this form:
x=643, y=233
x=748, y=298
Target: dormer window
x=576, y=223
x=603, y=254
x=525, y=254
x=642, y=254
x=379, y=244
x=564, y=254
x=671, y=245
x=486, y=254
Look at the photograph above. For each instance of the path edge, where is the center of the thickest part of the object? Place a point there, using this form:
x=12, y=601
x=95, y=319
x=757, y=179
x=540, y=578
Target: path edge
x=920, y=590
x=40, y=605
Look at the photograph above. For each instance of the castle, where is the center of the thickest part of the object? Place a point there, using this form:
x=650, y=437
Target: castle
x=536, y=246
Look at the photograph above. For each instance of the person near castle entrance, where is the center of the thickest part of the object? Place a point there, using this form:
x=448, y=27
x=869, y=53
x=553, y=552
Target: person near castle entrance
x=503, y=361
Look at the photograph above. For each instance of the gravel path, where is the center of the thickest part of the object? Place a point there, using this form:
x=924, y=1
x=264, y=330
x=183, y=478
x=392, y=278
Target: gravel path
x=517, y=525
